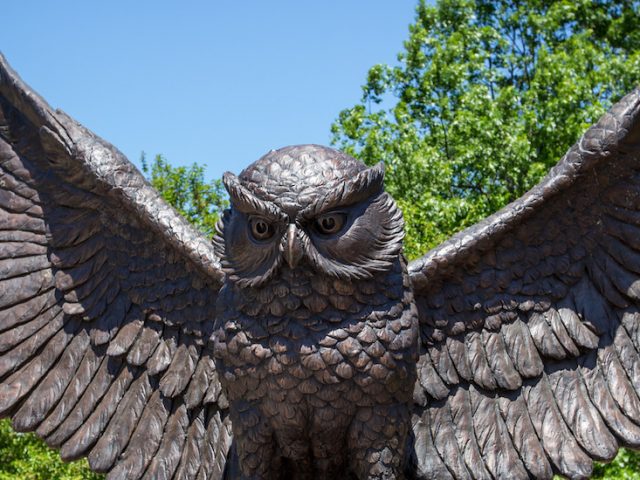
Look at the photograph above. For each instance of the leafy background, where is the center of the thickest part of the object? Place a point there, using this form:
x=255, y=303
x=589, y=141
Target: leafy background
x=485, y=97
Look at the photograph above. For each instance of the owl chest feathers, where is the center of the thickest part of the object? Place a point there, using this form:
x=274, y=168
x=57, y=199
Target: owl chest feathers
x=309, y=337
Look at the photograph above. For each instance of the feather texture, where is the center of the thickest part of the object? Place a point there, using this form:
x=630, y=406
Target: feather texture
x=97, y=272
x=544, y=297
x=529, y=361
x=52, y=387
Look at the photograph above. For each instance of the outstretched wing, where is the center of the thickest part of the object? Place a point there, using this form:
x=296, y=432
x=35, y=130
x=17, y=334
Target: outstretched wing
x=530, y=322
x=107, y=301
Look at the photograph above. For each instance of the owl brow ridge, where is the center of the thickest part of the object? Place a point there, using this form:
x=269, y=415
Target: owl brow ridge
x=244, y=201
x=363, y=185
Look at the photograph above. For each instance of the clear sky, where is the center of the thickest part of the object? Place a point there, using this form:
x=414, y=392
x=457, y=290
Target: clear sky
x=214, y=82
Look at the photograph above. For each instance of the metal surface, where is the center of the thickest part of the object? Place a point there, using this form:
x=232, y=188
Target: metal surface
x=299, y=344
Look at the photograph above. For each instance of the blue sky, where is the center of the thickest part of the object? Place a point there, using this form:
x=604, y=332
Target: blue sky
x=214, y=82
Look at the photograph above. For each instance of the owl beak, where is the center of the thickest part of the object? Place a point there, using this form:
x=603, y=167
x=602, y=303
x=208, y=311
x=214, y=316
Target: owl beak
x=293, y=249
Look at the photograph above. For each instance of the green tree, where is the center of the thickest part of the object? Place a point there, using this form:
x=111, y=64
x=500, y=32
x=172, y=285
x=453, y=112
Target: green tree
x=26, y=457
x=486, y=96
x=626, y=466
x=186, y=190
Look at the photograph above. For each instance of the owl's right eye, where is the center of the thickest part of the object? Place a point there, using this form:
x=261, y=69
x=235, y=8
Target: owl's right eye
x=261, y=229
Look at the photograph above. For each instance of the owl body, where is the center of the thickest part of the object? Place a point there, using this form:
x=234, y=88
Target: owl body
x=306, y=362
x=316, y=337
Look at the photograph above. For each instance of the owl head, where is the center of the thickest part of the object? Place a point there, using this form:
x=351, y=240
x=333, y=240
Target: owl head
x=308, y=207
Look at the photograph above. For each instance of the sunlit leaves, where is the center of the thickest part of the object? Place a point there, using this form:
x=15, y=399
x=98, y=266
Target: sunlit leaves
x=486, y=97
x=24, y=456
x=186, y=190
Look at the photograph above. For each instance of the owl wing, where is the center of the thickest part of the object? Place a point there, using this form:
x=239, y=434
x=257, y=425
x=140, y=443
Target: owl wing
x=530, y=322
x=107, y=301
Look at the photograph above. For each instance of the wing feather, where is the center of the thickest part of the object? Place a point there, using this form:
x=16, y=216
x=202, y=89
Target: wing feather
x=445, y=441
x=213, y=458
x=515, y=413
x=425, y=459
x=561, y=447
x=117, y=434
x=179, y=373
x=20, y=383
x=145, y=344
x=580, y=415
x=620, y=424
x=165, y=462
x=618, y=383
x=107, y=301
x=92, y=427
x=462, y=418
x=127, y=334
x=145, y=439
x=493, y=438
x=500, y=363
x=521, y=349
x=91, y=361
x=482, y=374
x=443, y=364
x=38, y=316
x=538, y=309
x=190, y=459
x=103, y=378
x=19, y=290
x=203, y=376
x=49, y=391
x=26, y=350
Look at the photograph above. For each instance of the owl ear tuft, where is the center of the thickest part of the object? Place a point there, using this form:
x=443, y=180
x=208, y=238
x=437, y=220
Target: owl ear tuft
x=229, y=180
x=368, y=183
x=237, y=193
x=218, y=236
x=246, y=202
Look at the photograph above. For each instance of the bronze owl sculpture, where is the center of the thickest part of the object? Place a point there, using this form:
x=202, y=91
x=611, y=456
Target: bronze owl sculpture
x=300, y=343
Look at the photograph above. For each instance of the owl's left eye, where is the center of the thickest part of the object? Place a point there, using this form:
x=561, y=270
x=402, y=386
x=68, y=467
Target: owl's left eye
x=330, y=223
x=261, y=229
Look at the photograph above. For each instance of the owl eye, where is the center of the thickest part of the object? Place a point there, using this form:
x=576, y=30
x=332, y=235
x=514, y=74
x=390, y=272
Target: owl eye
x=261, y=229
x=330, y=223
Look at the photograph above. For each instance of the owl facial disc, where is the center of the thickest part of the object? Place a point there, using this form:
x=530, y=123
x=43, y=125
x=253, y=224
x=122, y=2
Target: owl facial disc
x=313, y=205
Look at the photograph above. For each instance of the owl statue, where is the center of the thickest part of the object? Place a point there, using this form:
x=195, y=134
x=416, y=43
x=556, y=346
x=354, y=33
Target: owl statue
x=300, y=344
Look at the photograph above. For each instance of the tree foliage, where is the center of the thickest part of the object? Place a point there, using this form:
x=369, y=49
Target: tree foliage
x=626, y=466
x=186, y=189
x=24, y=456
x=486, y=96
